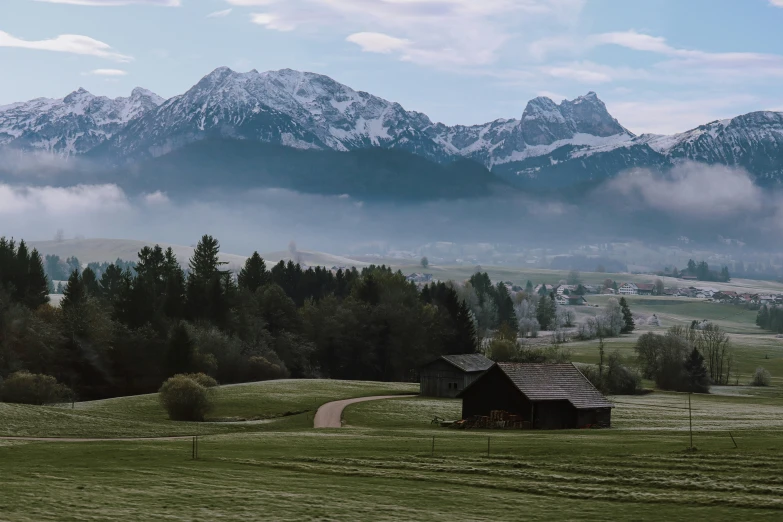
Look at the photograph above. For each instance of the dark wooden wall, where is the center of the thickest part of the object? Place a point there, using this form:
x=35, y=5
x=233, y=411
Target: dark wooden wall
x=494, y=392
x=441, y=379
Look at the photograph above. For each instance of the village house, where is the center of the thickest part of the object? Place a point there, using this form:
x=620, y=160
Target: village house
x=544, y=396
x=570, y=300
x=565, y=289
x=448, y=375
x=419, y=278
x=628, y=289
x=645, y=288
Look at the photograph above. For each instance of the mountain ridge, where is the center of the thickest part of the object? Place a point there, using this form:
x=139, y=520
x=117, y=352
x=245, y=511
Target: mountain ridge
x=551, y=145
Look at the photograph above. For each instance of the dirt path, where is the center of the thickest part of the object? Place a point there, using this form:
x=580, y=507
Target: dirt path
x=72, y=439
x=330, y=414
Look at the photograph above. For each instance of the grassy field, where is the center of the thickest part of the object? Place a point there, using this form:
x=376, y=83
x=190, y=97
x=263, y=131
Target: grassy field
x=238, y=408
x=383, y=467
x=260, y=458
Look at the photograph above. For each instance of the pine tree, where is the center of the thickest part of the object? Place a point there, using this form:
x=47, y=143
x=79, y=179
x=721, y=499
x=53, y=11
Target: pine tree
x=254, y=274
x=20, y=272
x=74, y=293
x=628, y=321
x=38, y=286
x=529, y=287
x=696, y=377
x=90, y=282
x=180, y=351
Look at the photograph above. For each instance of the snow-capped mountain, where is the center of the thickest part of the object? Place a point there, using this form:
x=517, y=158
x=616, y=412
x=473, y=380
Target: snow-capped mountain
x=71, y=125
x=301, y=110
x=550, y=145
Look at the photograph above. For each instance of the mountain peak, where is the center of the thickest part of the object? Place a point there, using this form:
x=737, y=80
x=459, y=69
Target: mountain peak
x=79, y=94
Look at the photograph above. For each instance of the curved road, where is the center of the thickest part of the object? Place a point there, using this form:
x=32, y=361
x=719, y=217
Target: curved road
x=330, y=414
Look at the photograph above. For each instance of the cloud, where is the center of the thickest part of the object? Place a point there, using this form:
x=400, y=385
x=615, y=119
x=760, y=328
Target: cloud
x=220, y=14
x=107, y=72
x=776, y=3
x=156, y=198
x=378, y=42
x=57, y=201
x=444, y=33
x=66, y=43
x=680, y=65
x=669, y=116
x=112, y=3
x=692, y=190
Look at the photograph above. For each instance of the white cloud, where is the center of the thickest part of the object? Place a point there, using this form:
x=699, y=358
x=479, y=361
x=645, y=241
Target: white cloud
x=57, y=201
x=776, y=3
x=670, y=116
x=220, y=14
x=111, y=3
x=678, y=65
x=66, y=43
x=442, y=33
x=107, y=72
x=692, y=189
x=156, y=198
x=272, y=21
x=378, y=42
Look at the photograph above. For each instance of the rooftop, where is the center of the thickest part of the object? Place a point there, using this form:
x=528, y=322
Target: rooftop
x=552, y=382
x=471, y=362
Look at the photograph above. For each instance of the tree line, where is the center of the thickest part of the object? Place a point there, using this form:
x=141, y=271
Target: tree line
x=126, y=330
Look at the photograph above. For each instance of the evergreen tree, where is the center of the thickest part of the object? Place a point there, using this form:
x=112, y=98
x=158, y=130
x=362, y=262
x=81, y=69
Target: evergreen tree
x=38, y=286
x=90, y=282
x=179, y=351
x=74, y=293
x=505, y=307
x=546, y=312
x=696, y=373
x=20, y=272
x=529, y=287
x=111, y=282
x=628, y=323
x=254, y=274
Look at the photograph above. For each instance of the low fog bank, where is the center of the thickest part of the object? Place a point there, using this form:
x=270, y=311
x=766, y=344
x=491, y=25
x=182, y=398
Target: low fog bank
x=697, y=201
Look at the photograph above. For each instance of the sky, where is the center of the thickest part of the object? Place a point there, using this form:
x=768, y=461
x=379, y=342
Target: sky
x=661, y=66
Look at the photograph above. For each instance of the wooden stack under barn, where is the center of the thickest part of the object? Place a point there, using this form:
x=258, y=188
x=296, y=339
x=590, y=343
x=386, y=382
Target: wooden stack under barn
x=540, y=396
x=448, y=375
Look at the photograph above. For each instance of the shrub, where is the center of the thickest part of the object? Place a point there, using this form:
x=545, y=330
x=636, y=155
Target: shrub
x=185, y=399
x=203, y=379
x=761, y=377
x=30, y=388
x=261, y=369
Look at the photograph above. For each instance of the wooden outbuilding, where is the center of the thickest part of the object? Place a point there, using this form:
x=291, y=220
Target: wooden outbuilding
x=542, y=396
x=448, y=375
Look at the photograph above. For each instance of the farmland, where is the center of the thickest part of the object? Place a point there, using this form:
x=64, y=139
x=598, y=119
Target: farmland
x=259, y=456
x=382, y=464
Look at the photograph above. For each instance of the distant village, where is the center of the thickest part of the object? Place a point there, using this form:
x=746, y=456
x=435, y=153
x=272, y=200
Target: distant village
x=574, y=295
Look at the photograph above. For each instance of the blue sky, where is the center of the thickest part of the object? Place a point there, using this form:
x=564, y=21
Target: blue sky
x=660, y=65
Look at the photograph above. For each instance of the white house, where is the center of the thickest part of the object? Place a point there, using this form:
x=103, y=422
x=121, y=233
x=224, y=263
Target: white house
x=628, y=289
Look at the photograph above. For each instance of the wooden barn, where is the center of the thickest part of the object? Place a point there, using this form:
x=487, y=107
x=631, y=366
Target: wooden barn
x=542, y=396
x=448, y=375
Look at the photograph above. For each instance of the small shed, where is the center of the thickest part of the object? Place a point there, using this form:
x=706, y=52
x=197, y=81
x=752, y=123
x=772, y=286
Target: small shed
x=448, y=375
x=547, y=396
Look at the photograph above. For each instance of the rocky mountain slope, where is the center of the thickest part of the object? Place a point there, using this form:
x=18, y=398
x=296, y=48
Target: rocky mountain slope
x=552, y=145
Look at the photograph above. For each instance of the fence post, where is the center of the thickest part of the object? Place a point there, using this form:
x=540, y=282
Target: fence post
x=732, y=440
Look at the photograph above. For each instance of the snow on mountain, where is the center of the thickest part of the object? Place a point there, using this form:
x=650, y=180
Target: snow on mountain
x=71, y=125
x=302, y=110
x=311, y=111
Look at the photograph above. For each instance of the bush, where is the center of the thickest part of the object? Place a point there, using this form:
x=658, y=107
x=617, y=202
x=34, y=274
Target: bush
x=261, y=369
x=203, y=379
x=616, y=379
x=185, y=399
x=761, y=377
x=30, y=388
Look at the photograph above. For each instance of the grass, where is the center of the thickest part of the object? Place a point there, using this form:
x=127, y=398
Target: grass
x=382, y=466
x=142, y=416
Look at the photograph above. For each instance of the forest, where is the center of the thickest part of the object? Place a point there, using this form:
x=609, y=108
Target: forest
x=129, y=329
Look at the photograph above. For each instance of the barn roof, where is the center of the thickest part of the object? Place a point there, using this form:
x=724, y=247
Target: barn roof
x=471, y=362
x=551, y=382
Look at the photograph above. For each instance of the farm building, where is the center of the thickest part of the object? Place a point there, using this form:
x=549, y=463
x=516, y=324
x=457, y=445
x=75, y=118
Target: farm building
x=448, y=375
x=542, y=396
